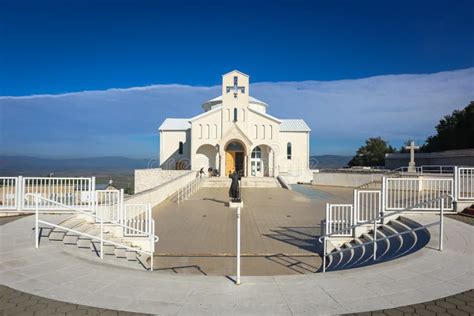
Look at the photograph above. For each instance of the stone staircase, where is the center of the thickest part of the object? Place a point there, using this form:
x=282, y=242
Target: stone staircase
x=387, y=249
x=111, y=233
x=218, y=182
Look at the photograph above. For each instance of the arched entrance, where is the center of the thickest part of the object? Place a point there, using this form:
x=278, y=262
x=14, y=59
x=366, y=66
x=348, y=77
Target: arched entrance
x=235, y=158
x=262, y=161
x=206, y=157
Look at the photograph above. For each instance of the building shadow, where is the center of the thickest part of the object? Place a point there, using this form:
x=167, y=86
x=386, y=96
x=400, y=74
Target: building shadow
x=305, y=238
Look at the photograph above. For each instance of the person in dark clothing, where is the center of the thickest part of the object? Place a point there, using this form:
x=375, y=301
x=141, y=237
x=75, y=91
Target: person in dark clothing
x=234, y=191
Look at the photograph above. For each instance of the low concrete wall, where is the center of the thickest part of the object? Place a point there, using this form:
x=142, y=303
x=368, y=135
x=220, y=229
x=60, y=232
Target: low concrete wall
x=462, y=157
x=159, y=193
x=345, y=179
x=146, y=179
x=301, y=176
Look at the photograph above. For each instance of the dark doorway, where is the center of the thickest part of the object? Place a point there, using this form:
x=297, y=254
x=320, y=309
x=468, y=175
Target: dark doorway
x=239, y=163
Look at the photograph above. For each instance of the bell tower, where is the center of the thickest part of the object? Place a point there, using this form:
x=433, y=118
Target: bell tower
x=235, y=98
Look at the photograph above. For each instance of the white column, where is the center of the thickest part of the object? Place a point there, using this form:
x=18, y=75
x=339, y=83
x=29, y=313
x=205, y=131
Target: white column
x=237, y=281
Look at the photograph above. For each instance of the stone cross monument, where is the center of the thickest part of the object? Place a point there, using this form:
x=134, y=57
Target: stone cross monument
x=411, y=164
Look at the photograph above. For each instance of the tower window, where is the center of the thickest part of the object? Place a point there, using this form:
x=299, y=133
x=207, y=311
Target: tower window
x=288, y=151
x=180, y=149
x=235, y=114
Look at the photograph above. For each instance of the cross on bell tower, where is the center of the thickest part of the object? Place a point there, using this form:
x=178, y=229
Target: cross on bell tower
x=235, y=87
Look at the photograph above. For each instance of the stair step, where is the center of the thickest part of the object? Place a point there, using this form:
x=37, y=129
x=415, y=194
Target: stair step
x=144, y=260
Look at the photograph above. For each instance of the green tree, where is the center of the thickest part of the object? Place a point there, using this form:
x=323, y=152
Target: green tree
x=455, y=131
x=372, y=153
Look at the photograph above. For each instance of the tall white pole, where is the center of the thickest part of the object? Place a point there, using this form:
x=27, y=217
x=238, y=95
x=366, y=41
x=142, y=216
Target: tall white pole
x=237, y=281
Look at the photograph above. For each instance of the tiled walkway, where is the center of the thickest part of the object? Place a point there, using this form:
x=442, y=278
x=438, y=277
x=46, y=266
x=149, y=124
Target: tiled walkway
x=455, y=305
x=13, y=303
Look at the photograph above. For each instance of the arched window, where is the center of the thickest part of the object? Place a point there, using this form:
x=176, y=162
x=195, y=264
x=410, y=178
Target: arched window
x=243, y=115
x=288, y=151
x=180, y=150
x=200, y=131
x=208, y=131
x=263, y=131
x=256, y=131
x=257, y=152
x=235, y=114
x=215, y=130
x=271, y=132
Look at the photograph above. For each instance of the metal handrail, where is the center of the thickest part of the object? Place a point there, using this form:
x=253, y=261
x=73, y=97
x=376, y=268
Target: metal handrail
x=375, y=239
x=374, y=220
x=35, y=195
x=153, y=238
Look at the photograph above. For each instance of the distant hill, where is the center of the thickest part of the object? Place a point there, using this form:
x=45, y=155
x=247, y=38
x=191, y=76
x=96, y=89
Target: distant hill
x=329, y=161
x=29, y=166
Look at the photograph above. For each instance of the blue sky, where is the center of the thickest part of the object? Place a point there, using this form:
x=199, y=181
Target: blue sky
x=56, y=47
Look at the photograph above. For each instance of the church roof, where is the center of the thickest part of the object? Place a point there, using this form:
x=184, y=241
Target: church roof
x=294, y=126
x=175, y=124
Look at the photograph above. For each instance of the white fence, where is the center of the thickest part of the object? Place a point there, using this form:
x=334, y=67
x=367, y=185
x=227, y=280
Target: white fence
x=188, y=189
x=465, y=183
x=368, y=205
x=9, y=193
x=109, y=205
x=339, y=217
x=139, y=218
x=401, y=193
x=17, y=194
x=74, y=192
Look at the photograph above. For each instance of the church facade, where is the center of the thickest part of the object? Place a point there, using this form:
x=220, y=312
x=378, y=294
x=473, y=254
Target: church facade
x=235, y=132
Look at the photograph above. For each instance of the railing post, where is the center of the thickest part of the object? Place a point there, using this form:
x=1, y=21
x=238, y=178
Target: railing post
x=150, y=231
x=375, y=240
x=356, y=207
x=92, y=195
x=441, y=225
x=101, y=237
x=456, y=183
x=36, y=222
x=121, y=210
x=19, y=193
x=324, y=253
x=382, y=207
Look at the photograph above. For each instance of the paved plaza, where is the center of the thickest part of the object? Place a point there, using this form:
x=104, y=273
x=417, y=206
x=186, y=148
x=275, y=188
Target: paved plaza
x=53, y=277
x=279, y=231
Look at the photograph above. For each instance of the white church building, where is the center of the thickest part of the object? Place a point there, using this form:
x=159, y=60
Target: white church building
x=235, y=132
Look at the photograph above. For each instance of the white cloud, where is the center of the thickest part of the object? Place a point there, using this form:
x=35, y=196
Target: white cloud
x=341, y=113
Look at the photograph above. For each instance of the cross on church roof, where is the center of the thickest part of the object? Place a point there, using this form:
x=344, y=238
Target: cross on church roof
x=235, y=87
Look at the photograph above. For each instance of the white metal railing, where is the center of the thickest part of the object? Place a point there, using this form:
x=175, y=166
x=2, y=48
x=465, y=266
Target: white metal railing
x=367, y=204
x=375, y=221
x=139, y=218
x=438, y=169
x=74, y=192
x=339, y=217
x=465, y=183
x=151, y=235
x=188, y=189
x=9, y=193
x=109, y=205
x=401, y=193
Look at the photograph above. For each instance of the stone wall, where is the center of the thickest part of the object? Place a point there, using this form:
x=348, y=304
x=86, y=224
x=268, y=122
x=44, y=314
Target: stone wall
x=462, y=157
x=149, y=178
x=345, y=179
x=159, y=193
